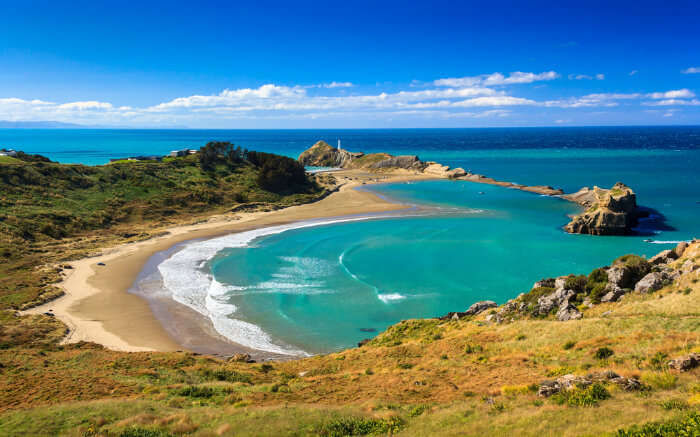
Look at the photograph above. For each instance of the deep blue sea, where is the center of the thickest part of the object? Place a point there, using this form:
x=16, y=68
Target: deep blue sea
x=324, y=287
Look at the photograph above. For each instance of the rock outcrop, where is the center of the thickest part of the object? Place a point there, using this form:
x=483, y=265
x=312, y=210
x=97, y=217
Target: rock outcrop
x=571, y=382
x=323, y=154
x=474, y=309
x=608, y=212
x=685, y=363
x=403, y=161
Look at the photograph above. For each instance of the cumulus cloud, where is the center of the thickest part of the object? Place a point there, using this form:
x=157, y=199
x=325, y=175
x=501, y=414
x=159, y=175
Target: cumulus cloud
x=495, y=79
x=691, y=70
x=466, y=97
x=684, y=93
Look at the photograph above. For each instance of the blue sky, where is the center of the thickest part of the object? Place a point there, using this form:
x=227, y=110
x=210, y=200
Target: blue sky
x=352, y=64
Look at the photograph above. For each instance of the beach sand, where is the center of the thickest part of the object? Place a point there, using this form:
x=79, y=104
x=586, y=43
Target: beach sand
x=97, y=306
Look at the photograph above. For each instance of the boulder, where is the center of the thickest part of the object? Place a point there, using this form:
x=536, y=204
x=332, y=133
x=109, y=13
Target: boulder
x=563, y=383
x=481, y=306
x=685, y=363
x=567, y=312
x=456, y=173
x=614, y=293
x=680, y=248
x=663, y=257
x=435, y=169
x=473, y=310
x=546, y=304
x=651, y=282
x=689, y=266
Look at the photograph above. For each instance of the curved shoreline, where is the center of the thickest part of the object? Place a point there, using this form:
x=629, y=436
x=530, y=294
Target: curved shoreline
x=97, y=306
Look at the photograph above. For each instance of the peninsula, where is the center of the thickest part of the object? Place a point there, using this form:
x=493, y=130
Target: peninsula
x=607, y=211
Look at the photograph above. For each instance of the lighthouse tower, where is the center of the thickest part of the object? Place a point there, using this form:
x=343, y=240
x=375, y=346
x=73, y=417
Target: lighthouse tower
x=338, y=144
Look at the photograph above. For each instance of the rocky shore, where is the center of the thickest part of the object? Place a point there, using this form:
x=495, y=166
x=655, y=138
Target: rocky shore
x=611, y=211
x=567, y=297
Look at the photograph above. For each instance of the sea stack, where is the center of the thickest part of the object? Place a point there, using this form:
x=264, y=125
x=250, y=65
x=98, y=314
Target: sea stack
x=608, y=212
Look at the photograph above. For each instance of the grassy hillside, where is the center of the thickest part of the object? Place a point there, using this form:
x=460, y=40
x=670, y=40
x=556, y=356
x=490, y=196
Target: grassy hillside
x=51, y=211
x=419, y=378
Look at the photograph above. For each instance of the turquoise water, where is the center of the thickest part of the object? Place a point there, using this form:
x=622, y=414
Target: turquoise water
x=324, y=288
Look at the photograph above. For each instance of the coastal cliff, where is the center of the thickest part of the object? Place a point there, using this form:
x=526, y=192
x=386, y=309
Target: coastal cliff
x=608, y=212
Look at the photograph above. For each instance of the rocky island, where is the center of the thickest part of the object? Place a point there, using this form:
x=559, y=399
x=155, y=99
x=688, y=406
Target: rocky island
x=611, y=211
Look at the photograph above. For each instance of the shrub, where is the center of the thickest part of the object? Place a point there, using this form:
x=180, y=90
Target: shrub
x=569, y=345
x=687, y=426
x=576, y=283
x=658, y=361
x=560, y=371
x=603, y=353
x=583, y=397
x=223, y=374
x=196, y=391
x=351, y=426
x=674, y=404
x=473, y=348
x=661, y=380
x=417, y=410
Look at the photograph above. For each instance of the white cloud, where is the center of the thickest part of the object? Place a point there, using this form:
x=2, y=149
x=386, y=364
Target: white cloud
x=82, y=106
x=600, y=99
x=691, y=70
x=633, y=72
x=495, y=79
x=684, y=93
x=598, y=76
x=494, y=101
x=674, y=102
x=333, y=84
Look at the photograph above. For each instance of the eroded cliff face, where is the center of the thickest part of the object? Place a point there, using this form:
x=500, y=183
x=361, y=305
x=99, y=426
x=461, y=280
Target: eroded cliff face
x=322, y=154
x=608, y=212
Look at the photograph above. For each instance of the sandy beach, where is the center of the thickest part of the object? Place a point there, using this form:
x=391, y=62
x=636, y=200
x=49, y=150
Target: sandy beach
x=97, y=306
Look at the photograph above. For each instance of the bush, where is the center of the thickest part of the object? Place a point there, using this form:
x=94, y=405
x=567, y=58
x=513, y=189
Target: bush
x=688, y=426
x=223, y=374
x=195, y=391
x=278, y=173
x=569, y=345
x=661, y=380
x=603, y=353
x=352, y=426
x=596, y=284
x=583, y=397
x=674, y=404
x=576, y=283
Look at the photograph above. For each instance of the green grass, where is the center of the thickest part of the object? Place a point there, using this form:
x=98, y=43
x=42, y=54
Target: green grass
x=9, y=160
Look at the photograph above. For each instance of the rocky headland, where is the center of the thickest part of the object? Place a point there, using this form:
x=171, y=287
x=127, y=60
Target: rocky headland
x=611, y=211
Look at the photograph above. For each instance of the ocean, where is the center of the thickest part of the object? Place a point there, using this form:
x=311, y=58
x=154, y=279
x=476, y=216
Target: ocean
x=318, y=287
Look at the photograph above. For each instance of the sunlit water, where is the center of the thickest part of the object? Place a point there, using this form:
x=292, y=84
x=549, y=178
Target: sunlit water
x=325, y=287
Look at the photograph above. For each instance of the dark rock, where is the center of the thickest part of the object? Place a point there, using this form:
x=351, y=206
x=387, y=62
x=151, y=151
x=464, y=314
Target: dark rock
x=364, y=342
x=685, y=363
x=567, y=312
x=613, y=293
x=473, y=310
x=663, y=257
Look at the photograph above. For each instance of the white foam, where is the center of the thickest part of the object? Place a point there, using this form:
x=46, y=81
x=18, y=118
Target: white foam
x=186, y=278
x=666, y=241
x=386, y=298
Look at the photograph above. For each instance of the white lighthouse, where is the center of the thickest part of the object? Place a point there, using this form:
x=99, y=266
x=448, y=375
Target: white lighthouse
x=338, y=144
